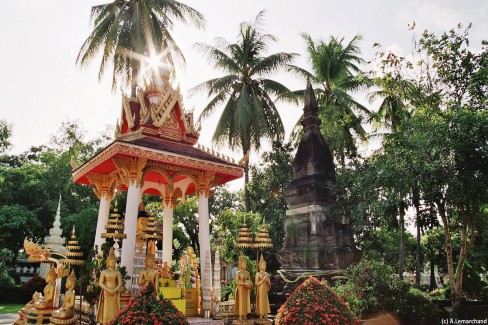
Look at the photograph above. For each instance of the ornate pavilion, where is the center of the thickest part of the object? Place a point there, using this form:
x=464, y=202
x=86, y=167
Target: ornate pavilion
x=155, y=152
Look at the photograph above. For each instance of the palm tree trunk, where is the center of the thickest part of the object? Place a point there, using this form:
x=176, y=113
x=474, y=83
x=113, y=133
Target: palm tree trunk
x=402, y=241
x=417, y=250
x=247, y=199
x=433, y=284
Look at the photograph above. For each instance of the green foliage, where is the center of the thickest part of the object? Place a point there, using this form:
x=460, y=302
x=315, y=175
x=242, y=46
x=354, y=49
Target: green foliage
x=5, y=134
x=34, y=284
x=227, y=225
x=373, y=287
x=228, y=291
x=16, y=223
x=249, y=113
x=186, y=214
x=11, y=292
x=335, y=65
x=124, y=28
x=267, y=193
x=145, y=308
x=312, y=303
x=92, y=268
x=384, y=244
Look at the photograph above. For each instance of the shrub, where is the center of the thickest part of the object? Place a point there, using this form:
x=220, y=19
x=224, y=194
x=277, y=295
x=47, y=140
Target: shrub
x=10, y=292
x=36, y=283
x=372, y=287
x=313, y=302
x=145, y=308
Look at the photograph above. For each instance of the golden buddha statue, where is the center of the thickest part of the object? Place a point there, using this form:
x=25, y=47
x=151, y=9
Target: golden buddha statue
x=111, y=284
x=263, y=284
x=149, y=274
x=165, y=272
x=47, y=301
x=67, y=310
x=142, y=220
x=243, y=291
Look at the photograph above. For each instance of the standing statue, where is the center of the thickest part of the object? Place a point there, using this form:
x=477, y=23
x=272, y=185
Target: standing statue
x=142, y=219
x=149, y=274
x=243, y=291
x=49, y=291
x=111, y=284
x=67, y=310
x=263, y=284
x=189, y=270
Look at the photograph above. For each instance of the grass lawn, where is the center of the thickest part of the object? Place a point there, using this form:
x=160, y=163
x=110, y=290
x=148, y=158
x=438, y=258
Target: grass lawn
x=10, y=308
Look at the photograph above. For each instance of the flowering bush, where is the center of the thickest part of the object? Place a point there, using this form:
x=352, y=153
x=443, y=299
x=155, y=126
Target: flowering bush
x=145, y=308
x=313, y=302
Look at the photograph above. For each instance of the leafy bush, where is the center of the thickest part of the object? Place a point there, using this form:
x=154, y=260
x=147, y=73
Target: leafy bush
x=145, y=308
x=372, y=287
x=10, y=292
x=313, y=302
x=36, y=283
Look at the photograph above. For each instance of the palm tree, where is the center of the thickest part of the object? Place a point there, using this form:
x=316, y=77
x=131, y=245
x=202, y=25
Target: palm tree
x=335, y=66
x=129, y=31
x=249, y=113
x=395, y=94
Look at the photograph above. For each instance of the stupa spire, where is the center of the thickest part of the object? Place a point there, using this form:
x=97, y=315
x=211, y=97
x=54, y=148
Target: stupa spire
x=55, y=240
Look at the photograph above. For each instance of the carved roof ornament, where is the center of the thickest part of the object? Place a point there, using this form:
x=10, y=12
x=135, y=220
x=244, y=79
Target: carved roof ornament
x=157, y=111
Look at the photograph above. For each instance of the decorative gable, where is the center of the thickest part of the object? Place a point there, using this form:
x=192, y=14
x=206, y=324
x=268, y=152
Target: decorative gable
x=156, y=112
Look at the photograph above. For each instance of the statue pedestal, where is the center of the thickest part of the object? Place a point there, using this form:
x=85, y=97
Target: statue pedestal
x=57, y=321
x=191, y=296
x=34, y=316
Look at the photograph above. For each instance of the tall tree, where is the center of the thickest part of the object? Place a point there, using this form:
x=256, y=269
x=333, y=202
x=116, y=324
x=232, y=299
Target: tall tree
x=335, y=66
x=249, y=114
x=5, y=134
x=130, y=32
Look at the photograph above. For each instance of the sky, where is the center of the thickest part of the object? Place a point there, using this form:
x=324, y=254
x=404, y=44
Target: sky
x=41, y=85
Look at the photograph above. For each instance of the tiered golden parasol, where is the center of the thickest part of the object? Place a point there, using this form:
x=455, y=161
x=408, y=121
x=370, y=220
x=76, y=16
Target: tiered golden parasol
x=115, y=225
x=262, y=239
x=244, y=239
x=74, y=256
x=153, y=231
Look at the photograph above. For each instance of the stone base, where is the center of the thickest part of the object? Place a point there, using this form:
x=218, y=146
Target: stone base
x=262, y=322
x=204, y=321
x=242, y=322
